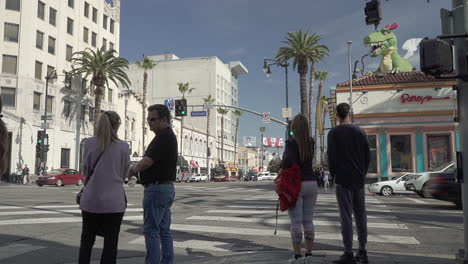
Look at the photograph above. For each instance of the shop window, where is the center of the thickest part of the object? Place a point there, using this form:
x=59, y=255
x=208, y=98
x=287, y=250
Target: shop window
x=401, y=153
x=37, y=101
x=65, y=158
x=8, y=96
x=10, y=32
x=438, y=150
x=373, y=153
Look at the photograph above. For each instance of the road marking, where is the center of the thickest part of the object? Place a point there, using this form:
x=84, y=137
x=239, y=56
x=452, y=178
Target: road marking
x=317, y=214
x=287, y=221
x=14, y=250
x=283, y=233
x=193, y=244
x=52, y=220
x=416, y=200
x=274, y=208
x=33, y=212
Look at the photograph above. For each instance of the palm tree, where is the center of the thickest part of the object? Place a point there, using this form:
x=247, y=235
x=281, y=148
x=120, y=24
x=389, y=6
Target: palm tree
x=222, y=112
x=102, y=66
x=146, y=64
x=183, y=89
x=262, y=130
x=301, y=47
x=237, y=114
x=321, y=76
x=320, y=51
x=208, y=99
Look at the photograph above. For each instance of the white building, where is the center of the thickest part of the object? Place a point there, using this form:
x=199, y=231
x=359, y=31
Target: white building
x=37, y=37
x=208, y=76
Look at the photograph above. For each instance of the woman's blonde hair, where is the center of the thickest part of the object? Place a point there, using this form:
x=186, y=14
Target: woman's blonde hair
x=106, y=130
x=300, y=128
x=3, y=142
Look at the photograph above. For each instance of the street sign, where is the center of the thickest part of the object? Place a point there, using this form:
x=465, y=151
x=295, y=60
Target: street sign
x=208, y=105
x=45, y=125
x=198, y=113
x=287, y=112
x=46, y=117
x=266, y=117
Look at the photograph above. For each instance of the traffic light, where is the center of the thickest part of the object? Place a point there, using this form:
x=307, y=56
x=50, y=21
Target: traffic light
x=373, y=13
x=46, y=148
x=38, y=149
x=181, y=107
x=40, y=137
x=435, y=56
x=290, y=132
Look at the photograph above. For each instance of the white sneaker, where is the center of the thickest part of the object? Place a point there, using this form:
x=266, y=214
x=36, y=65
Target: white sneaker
x=296, y=261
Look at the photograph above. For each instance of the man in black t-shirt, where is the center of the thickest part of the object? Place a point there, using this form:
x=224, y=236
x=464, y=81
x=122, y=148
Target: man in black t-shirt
x=157, y=173
x=348, y=159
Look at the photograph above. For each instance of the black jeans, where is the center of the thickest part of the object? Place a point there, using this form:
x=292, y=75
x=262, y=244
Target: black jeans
x=108, y=225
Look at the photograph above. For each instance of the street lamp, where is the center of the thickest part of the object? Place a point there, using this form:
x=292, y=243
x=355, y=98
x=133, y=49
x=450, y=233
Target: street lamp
x=50, y=76
x=350, y=82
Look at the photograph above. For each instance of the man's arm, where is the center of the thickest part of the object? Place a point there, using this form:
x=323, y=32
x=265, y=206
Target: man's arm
x=330, y=153
x=366, y=153
x=144, y=164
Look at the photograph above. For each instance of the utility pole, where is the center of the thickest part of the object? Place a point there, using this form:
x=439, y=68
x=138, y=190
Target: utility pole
x=350, y=81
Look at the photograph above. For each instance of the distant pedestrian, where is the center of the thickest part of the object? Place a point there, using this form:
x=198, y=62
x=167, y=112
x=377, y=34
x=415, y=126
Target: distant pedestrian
x=157, y=173
x=3, y=143
x=326, y=179
x=300, y=149
x=103, y=202
x=26, y=174
x=19, y=175
x=348, y=160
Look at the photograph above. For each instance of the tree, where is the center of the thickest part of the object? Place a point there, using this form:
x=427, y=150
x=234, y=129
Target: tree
x=146, y=64
x=102, y=66
x=237, y=114
x=222, y=112
x=208, y=99
x=321, y=76
x=301, y=47
x=183, y=89
x=262, y=131
x=319, y=52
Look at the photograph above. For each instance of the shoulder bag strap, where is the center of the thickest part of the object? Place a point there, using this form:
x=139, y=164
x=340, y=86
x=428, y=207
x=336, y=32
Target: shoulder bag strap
x=91, y=171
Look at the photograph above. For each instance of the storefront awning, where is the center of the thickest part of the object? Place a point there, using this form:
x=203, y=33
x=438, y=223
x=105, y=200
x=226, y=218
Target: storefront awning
x=194, y=164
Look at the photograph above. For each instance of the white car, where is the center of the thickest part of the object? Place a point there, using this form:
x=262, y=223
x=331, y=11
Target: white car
x=198, y=177
x=386, y=188
x=273, y=176
x=264, y=175
x=418, y=184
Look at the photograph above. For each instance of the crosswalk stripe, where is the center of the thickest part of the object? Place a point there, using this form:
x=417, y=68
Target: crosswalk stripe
x=33, y=212
x=317, y=214
x=274, y=208
x=282, y=233
x=256, y=198
x=204, y=245
x=415, y=200
x=287, y=221
x=13, y=250
x=54, y=220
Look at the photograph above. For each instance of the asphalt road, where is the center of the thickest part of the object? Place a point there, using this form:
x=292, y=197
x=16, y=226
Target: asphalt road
x=43, y=225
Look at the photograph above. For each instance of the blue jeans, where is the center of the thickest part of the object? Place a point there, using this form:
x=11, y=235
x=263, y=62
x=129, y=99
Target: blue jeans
x=157, y=202
x=303, y=212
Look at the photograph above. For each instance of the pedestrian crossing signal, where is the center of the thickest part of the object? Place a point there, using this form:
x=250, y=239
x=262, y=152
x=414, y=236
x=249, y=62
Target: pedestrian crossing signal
x=181, y=107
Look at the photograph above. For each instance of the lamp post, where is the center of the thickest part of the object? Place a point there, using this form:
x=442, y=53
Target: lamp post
x=50, y=76
x=350, y=82
x=267, y=70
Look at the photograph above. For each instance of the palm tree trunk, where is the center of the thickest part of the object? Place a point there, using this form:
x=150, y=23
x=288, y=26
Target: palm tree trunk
x=143, y=120
x=235, y=140
x=303, y=85
x=181, y=141
x=311, y=96
x=319, y=94
x=208, y=143
x=222, y=138
x=97, y=104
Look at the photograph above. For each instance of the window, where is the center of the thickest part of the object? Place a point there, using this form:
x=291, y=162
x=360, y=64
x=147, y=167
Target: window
x=39, y=40
x=83, y=112
x=91, y=114
x=112, y=25
x=94, y=15
x=66, y=108
x=84, y=85
x=104, y=22
x=373, y=153
x=37, y=101
x=110, y=95
x=52, y=16
x=86, y=9
x=69, y=53
x=438, y=150
x=38, y=70
x=111, y=45
x=401, y=153
x=50, y=103
x=10, y=32
x=13, y=5
x=94, y=39
x=85, y=34
x=8, y=96
x=41, y=10
x=70, y=26
x=71, y=3
x=65, y=158
x=104, y=44
x=50, y=69
x=9, y=64
x=51, y=46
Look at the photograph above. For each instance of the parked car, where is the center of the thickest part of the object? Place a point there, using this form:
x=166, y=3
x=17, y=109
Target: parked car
x=250, y=176
x=387, y=188
x=444, y=186
x=198, y=177
x=60, y=177
x=264, y=175
x=419, y=185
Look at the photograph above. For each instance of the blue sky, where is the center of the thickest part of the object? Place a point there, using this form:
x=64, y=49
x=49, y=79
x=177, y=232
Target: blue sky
x=249, y=30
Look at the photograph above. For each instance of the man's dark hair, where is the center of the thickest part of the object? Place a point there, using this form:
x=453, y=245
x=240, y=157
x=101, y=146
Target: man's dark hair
x=162, y=110
x=342, y=110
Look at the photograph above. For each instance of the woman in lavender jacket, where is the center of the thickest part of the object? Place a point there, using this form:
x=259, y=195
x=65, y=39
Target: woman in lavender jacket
x=103, y=202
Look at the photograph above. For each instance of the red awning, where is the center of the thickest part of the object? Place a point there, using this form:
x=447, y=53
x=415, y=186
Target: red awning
x=194, y=164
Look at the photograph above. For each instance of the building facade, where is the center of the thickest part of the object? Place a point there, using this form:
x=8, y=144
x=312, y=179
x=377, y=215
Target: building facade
x=37, y=38
x=408, y=118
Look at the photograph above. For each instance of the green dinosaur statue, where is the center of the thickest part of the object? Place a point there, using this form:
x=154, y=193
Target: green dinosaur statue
x=384, y=43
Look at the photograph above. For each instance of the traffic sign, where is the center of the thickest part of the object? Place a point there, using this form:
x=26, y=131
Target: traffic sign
x=266, y=117
x=287, y=112
x=46, y=117
x=198, y=113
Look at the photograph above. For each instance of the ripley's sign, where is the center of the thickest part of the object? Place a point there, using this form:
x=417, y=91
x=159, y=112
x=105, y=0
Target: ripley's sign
x=406, y=98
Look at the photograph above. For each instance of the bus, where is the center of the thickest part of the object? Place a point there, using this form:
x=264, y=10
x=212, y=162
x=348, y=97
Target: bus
x=221, y=173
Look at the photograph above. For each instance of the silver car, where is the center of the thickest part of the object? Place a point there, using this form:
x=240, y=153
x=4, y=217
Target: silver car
x=418, y=183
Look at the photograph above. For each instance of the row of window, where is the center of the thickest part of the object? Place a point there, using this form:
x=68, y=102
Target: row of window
x=105, y=18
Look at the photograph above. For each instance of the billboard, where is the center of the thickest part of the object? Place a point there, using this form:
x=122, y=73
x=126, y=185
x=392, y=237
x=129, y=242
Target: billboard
x=249, y=141
x=273, y=142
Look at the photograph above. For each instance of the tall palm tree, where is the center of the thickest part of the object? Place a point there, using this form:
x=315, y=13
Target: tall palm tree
x=208, y=99
x=183, y=89
x=301, y=48
x=262, y=131
x=320, y=51
x=237, y=114
x=222, y=112
x=321, y=76
x=146, y=64
x=102, y=66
